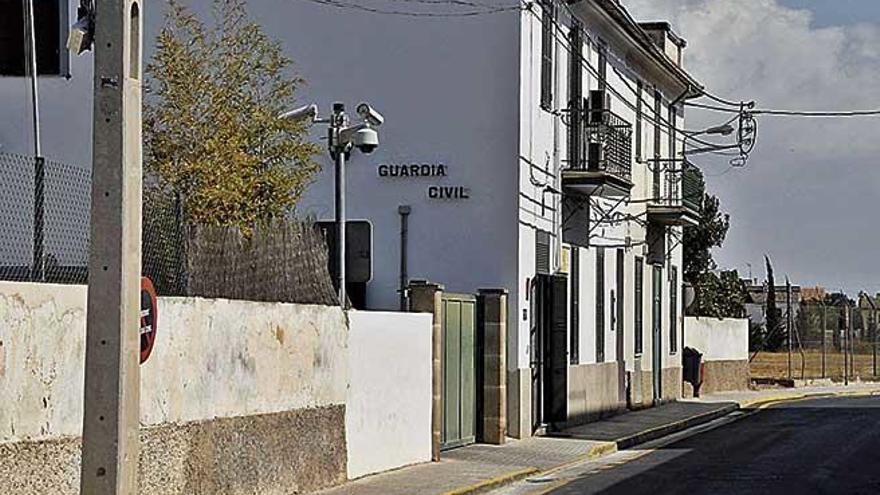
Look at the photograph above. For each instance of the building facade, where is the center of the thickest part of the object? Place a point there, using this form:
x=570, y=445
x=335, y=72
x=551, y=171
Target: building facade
x=536, y=148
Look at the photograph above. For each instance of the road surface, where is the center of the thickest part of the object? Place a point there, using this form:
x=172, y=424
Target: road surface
x=821, y=446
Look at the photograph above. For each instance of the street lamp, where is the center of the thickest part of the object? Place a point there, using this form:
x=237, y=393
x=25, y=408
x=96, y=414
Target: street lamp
x=342, y=137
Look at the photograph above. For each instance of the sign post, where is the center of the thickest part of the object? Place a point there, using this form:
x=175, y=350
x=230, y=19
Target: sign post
x=112, y=380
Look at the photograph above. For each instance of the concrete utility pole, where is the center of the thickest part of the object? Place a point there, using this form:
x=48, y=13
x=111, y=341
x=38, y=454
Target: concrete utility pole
x=111, y=418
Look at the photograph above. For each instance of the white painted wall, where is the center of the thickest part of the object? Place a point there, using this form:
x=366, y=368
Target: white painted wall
x=718, y=339
x=388, y=406
x=212, y=358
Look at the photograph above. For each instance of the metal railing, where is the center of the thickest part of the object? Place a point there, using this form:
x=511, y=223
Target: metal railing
x=682, y=187
x=607, y=145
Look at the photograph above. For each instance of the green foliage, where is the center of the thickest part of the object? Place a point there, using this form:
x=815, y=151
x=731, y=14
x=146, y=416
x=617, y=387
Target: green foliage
x=212, y=136
x=774, y=331
x=700, y=240
x=720, y=296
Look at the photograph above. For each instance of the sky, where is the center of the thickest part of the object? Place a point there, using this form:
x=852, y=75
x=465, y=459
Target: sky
x=809, y=195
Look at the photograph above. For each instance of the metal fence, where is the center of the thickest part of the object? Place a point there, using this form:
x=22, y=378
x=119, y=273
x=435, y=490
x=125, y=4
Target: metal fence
x=45, y=229
x=44, y=220
x=836, y=342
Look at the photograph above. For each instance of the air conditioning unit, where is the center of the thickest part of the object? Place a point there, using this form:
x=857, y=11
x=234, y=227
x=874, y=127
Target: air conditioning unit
x=598, y=104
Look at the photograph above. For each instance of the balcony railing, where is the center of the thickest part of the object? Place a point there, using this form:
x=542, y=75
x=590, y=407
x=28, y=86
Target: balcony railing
x=607, y=145
x=682, y=187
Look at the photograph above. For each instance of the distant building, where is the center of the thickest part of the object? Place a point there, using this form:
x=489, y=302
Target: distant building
x=813, y=294
x=756, y=300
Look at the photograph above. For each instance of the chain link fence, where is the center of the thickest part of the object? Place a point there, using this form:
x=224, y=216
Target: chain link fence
x=835, y=342
x=45, y=229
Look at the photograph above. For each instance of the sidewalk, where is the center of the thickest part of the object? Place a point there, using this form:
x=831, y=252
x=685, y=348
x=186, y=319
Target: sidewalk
x=478, y=468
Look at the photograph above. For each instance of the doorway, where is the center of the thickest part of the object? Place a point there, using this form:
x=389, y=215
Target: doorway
x=657, y=332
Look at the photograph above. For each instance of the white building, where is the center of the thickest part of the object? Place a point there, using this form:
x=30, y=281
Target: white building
x=539, y=159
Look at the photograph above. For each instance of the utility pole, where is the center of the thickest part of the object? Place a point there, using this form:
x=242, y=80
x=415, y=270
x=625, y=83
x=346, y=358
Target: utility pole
x=112, y=381
x=824, y=338
x=846, y=318
x=38, y=261
x=788, y=319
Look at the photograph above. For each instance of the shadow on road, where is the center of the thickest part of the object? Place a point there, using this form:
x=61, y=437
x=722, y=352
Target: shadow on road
x=826, y=446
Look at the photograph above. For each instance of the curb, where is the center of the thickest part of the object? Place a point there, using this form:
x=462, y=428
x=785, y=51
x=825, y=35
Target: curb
x=603, y=449
x=496, y=482
x=675, y=427
x=763, y=402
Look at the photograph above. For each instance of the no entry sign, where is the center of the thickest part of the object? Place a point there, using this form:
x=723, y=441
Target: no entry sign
x=149, y=309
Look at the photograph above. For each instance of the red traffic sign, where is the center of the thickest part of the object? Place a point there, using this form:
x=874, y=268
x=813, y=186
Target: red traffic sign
x=148, y=319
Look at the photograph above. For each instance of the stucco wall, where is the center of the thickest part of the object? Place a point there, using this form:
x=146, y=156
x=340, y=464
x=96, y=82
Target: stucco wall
x=724, y=344
x=718, y=339
x=388, y=413
x=279, y=371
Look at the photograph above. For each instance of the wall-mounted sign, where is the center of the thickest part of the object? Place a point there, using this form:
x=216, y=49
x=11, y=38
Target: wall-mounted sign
x=412, y=170
x=148, y=318
x=430, y=170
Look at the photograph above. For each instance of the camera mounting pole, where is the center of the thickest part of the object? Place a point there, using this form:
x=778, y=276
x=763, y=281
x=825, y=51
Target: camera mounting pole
x=339, y=149
x=341, y=138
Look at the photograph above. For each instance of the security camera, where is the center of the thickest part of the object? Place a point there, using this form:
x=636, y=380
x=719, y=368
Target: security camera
x=307, y=113
x=370, y=115
x=366, y=140
x=81, y=36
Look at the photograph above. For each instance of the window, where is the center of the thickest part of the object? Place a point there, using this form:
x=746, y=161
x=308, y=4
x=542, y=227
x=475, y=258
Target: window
x=575, y=96
x=603, y=65
x=575, y=330
x=639, y=110
x=639, y=305
x=672, y=146
x=673, y=310
x=657, y=164
x=50, y=26
x=600, y=304
x=621, y=287
x=548, y=21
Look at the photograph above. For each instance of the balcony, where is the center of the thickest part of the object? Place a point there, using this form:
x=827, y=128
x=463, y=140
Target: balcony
x=680, y=198
x=606, y=170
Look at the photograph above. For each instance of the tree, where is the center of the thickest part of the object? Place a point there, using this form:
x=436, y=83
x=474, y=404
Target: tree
x=716, y=295
x=775, y=336
x=723, y=295
x=212, y=137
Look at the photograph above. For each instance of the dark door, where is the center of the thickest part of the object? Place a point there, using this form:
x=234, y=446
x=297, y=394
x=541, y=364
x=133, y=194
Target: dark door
x=557, y=352
x=657, y=328
x=549, y=349
x=459, y=362
x=536, y=348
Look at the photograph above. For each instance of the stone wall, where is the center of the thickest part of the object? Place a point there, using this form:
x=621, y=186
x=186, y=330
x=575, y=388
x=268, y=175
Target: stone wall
x=237, y=397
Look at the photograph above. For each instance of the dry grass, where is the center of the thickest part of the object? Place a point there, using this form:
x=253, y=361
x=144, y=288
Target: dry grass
x=775, y=365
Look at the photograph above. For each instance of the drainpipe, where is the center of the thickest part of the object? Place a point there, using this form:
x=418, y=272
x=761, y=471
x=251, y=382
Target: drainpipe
x=403, y=211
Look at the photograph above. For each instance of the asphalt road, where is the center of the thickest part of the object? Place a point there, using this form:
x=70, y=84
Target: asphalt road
x=821, y=446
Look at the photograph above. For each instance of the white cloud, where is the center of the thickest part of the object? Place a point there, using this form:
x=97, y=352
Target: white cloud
x=809, y=192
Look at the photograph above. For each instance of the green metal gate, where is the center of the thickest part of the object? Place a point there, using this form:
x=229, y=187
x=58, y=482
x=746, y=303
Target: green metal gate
x=459, y=363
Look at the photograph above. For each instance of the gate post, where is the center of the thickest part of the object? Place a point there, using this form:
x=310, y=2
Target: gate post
x=494, y=365
x=426, y=297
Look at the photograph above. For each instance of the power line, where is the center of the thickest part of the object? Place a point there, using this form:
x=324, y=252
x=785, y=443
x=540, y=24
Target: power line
x=483, y=9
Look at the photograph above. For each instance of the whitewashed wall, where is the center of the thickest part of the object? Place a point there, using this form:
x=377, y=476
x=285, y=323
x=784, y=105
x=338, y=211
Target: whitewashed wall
x=388, y=409
x=718, y=339
x=212, y=358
